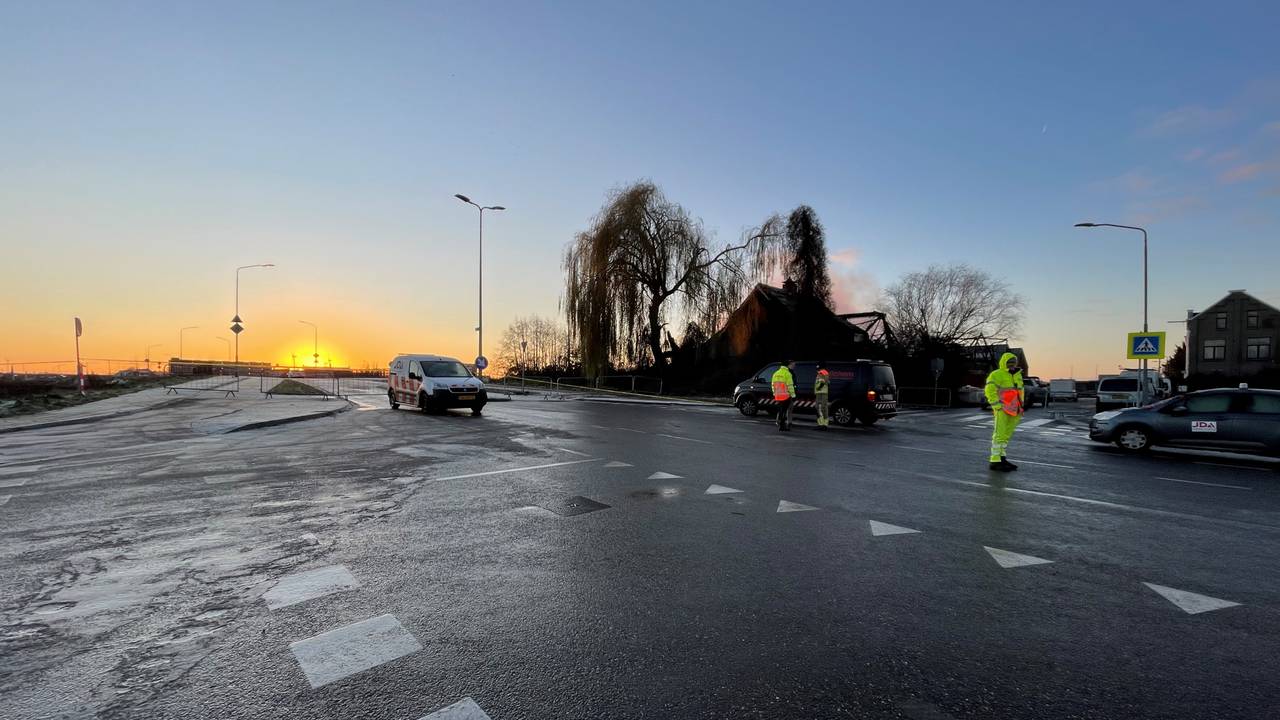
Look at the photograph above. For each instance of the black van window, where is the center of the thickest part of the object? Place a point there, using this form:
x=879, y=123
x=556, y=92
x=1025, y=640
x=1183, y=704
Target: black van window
x=882, y=375
x=766, y=375
x=805, y=373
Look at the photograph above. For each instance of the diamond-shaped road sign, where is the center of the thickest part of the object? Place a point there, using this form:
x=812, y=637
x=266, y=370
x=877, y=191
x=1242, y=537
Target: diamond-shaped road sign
x=237, y=328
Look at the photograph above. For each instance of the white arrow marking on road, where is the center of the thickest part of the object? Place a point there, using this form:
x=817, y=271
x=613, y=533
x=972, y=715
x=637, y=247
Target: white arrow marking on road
x=616, y=464
x=720, y=490
x=788, y=506
x=4, y=499
x=879, y=528
x=1191, y=603
x=1008, y=559
x=663, y=476
x=464, y=709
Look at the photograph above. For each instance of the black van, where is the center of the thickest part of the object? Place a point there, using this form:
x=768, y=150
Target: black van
x=862, y=390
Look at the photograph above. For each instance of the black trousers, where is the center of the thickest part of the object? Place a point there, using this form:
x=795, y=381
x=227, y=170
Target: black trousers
x=784, y=412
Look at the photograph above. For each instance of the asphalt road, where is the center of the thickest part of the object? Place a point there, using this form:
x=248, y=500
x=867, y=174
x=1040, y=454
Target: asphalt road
x=385, y=564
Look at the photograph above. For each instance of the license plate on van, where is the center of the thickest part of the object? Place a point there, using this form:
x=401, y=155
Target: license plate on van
x=886, y=397
x=466, y=397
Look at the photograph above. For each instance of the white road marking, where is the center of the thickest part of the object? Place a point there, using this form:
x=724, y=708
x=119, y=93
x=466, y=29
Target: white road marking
x=4, y=499
x=917, y=449
x=1190, y=603
x=1006, y=559
x=1033, y=462
x=788, y=506
x=347, y=472
x=411, y=451
x=617, y=464
x=345, y=651
x=309, y=585
x=971, y=417
x=720, y=490
x=663, y=476
x=677, y=437
x=464, y=709
x=1196, y=482
x=13, y=483
x=220, y=479
x=19, y=470
x=642, y=432
x=879, y=528
x=1036, y=423
x=1233, y=467
x=511, y=470
x=572, y=452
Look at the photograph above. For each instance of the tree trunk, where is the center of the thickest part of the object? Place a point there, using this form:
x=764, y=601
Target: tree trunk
x=655, y=337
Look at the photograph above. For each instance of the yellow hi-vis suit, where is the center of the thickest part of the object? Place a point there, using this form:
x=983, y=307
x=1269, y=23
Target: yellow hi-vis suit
x=1004, y=395
x=822, y=395
x=784, y=393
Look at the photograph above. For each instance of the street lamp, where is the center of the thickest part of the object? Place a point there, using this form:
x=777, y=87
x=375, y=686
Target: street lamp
x=228, y=342
x=236, y=326
x=1143, y=391
x=180, y=332
x=480, y=275
x=315, y=347
x=147, y=354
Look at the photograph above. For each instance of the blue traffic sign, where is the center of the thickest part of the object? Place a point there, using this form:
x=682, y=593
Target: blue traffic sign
x=1146, y=345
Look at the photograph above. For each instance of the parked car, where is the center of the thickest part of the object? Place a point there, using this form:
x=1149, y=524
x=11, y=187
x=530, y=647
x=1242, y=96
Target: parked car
x=1120, y=392
x=1241, y=420
x=434, y=383
x=1034, y=391
x=1063, y=390
x=862, y=390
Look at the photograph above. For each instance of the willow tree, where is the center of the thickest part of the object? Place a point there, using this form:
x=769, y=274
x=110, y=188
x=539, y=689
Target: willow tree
x=807, y=265
x=644, y=262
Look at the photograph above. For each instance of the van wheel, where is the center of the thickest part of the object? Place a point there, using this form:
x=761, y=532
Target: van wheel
x=748, y=406
x=424, y=404
x=841, y=415
x=475, y=411
x=391, y=398
x=1134, y=439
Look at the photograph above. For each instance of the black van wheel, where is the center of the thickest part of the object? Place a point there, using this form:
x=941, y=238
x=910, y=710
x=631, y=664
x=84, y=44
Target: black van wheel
x=475, y=410
x=424, y=404
x=841, y=415
x=391, y=398
x=748, y=406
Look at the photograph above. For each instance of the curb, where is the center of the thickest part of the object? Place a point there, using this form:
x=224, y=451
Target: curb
x=90, y=419
x=287, y=420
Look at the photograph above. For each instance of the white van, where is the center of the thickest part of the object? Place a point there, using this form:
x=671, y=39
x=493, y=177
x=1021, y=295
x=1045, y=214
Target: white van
x=434, y=383
x=1124, y=391
x=1063, y=390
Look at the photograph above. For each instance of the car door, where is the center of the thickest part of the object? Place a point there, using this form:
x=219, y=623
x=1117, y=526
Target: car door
x=1202, y=421
x=1258, y=426
x=805, y=374
x=762, y=384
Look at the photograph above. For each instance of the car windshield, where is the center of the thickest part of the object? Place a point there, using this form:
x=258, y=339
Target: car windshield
x=445, y=369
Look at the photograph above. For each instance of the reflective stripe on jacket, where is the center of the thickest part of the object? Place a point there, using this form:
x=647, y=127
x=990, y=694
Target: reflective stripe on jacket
x=1004, y=389
x=784, y=385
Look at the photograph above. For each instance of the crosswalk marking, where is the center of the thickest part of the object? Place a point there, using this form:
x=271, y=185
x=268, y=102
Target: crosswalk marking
x=304, y=586
x=879, y=528
x=464, y=709
x=1189, y=602
x=1006, y=559
x=617, y=464
x=663, y=476
x=788, y=506
x=345, y=651
x=720, y=490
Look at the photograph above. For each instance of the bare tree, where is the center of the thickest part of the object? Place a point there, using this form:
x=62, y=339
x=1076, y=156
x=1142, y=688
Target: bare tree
x=644, y=261
x=951, y=304
x=533, y=342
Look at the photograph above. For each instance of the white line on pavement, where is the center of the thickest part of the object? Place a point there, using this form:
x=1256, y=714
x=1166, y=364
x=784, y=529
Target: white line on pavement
x=345, y=651
x=677, y=437
x=1233, y=467
x=464, y=709
x=917, y=449
x=13, y=483
x=1033, y=462
x=572, y=452
x=304, y=586
x=1037, y=422
x=1196, y=482
x=630, y=430
x=511, y=470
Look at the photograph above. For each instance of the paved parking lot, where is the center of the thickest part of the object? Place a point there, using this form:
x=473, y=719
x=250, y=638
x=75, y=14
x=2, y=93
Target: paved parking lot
x=579, y=559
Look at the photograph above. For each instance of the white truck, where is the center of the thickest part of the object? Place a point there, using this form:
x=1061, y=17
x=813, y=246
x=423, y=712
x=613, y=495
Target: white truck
x=433, y=384
x=1063, y=390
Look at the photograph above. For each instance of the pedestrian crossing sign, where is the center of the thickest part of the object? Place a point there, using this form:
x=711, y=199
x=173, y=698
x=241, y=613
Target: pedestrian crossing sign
x=1144, y=345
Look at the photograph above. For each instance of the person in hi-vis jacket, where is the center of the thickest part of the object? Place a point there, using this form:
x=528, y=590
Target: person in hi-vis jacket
x=1004, y=397
x=784, y=393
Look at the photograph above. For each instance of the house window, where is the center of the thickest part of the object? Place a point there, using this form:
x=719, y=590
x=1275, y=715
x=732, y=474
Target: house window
x=1214, y=350
x=1258, y=348
x=1222, y=321
x=1251, y=319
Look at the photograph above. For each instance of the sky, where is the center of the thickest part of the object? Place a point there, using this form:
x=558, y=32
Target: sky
x=148, y=149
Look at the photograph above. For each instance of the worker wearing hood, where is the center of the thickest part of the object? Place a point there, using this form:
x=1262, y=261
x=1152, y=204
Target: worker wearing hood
x=1004, y=397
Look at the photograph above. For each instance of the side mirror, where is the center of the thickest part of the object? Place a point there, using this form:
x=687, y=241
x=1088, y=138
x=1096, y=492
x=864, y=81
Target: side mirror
x=1178, y=410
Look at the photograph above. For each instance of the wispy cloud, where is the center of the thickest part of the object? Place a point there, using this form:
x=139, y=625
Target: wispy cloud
x=1137, y=181
x=1193, y=154
x=1188, y=119
x=1225, y=156
x=1159, y=209
x=1241, y=173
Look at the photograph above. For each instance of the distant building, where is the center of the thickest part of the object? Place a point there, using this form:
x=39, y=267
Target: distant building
x=1235, y=337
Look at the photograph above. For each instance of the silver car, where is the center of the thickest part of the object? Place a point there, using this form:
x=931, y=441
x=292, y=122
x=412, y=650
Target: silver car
x=1240, y=420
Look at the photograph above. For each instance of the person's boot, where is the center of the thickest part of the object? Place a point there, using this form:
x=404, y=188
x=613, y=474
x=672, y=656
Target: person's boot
x=997, y=467
x=1008, y=466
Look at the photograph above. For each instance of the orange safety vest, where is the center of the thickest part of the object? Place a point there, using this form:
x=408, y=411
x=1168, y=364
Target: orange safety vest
x=1011, y=401
x=780, y=392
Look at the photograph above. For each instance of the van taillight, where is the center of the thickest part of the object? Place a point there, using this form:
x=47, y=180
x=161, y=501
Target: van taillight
x=871, y=396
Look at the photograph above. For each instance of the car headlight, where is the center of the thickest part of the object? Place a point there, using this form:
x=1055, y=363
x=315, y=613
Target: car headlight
x=1105, y=416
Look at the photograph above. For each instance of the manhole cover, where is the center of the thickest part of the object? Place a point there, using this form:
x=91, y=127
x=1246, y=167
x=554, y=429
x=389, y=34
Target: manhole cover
x=576, y=505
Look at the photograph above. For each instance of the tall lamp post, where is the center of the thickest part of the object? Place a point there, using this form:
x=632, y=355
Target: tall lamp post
x=480, y=275
x=236, y=326
x=1143, y=391
x=180, y=333
x=315, y=340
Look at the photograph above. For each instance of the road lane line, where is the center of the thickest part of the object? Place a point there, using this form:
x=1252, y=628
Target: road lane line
x=677, y=437
x=511, y=470
x=1037, y=422
x=917, y=449
x=642, y=432
x=1033, y=462
x=1195, y=482
x=1233, y=467
x=572, y=452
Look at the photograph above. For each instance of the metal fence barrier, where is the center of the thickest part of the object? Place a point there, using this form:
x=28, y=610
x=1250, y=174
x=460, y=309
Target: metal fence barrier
x=924, y=397
x=228, y=385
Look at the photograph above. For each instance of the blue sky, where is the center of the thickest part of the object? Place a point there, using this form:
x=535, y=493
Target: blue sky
x=163, y=144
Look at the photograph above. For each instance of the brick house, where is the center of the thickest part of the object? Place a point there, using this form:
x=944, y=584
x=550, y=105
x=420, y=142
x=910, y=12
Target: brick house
x=1236, y=336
